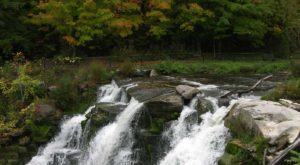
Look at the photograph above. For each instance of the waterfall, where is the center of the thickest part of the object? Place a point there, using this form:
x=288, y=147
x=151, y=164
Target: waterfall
x=202, y=144
x=65, y=144
x=185, y=141
x=112, y=144
x=69, y=141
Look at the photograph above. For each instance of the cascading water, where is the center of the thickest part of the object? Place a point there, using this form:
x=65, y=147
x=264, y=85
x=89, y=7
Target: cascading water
x=66, y=143
x=69, y=140
x=192, y=143
x=203, y=144
x=112, y=144
x=185, y=142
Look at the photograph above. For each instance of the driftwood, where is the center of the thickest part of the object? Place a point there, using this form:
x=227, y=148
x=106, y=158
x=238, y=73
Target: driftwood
x=240, y=92
x=282, y=156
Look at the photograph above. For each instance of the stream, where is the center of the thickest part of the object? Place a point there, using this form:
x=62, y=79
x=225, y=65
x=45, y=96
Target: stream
x=191, y=139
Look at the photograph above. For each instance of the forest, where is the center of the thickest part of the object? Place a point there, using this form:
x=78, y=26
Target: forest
x=47, y=28
x=149, y=82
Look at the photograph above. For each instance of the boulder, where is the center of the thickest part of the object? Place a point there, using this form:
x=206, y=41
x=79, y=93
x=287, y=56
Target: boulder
x=141, y=73
x=144, y=93
x=153, y=73
x=166, y=106
x=204, y=105
x=186, y=91
x=111, y=108
x=48, y=112
x=277, y=124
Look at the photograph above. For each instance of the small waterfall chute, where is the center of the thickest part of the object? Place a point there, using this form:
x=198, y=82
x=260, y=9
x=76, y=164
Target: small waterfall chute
x=112, y=144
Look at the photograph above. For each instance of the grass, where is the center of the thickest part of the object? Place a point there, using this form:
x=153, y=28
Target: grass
x=287, y=90
x=220, y=67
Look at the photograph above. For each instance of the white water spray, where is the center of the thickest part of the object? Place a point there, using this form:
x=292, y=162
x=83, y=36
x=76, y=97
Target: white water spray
x=69, y=140
x=205, y=143
x=112, y=144
x=66, y=143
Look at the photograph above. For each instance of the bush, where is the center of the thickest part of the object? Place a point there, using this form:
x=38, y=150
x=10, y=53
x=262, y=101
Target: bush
x=287, y=90
x=295, y=69
x=66, y=94
x=23, y=87
x=127, y=68
x=94, y=72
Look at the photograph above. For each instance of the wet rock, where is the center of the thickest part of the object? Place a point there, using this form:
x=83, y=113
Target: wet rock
x=112, y=108
x=186, y=91
x=141, y=73
x=143, y=93
x=224, y=102
x=275, y=123
x=166, y=106
x=153, y=73
x=204, y=106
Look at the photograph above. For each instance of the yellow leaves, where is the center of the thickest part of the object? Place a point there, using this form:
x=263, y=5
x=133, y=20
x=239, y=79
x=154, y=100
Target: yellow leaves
x=187, y=27
x=157, y=15
x=157, y=31
x=41, y=18
x=70, y=40
x=195, y=6
x=161, y=4
x=277, y=29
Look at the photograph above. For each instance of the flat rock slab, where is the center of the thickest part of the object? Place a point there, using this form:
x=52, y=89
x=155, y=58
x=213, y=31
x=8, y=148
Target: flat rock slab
x=111, y=108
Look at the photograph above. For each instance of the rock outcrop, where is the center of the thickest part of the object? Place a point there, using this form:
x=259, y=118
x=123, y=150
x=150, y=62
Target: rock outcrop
x=259, y=125
x=278, y=124
x=167, y=106
x=186, y=91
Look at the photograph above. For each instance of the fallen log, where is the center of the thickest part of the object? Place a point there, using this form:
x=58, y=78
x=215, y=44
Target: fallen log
x=240, y=92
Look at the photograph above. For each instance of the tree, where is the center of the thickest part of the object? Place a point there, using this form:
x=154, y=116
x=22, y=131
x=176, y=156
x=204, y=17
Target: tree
x=15, y=35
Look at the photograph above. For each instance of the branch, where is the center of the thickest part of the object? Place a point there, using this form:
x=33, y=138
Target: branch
x=248, y=90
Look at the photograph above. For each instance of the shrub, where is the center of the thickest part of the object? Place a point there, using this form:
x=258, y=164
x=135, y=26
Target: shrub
x=127, y=68
x=66, y=93
x=24, y=87
x=94, y=72
x=288, y=90
x=295, y=69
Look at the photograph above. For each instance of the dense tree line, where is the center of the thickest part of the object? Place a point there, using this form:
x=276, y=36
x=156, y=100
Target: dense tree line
x=43, y=28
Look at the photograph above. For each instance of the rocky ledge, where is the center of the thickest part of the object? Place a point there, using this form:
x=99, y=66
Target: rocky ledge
x=260, y=131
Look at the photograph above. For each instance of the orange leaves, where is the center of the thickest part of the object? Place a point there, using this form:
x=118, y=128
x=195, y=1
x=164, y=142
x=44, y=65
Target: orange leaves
x=70, y=40
x=160, y=4
x=122, y=23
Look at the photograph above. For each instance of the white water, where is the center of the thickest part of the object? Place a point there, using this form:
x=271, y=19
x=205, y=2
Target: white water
x=69, y=140
x=66, y=143
x=190, y=143
x=112, y=144
x=203, y=144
